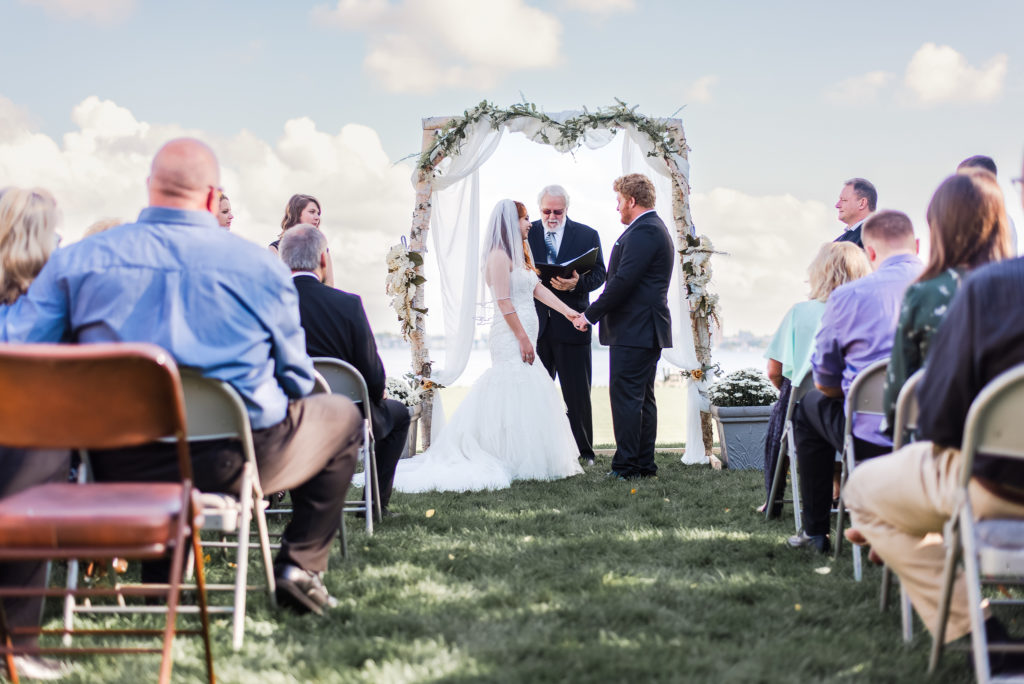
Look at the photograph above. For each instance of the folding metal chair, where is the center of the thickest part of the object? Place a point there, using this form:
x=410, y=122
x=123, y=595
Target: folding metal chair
x=787, y=453
x=904, y=427
x=344, y=379
x=865, y=397
x=216, y=411
x=101, y=396
x=992, y=551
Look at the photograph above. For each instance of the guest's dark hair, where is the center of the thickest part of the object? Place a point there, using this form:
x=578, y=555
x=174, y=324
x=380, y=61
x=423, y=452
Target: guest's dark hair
x=967, y=223
x=864, y=188
x=978, y=161
x=889, y=226
x=293, y=211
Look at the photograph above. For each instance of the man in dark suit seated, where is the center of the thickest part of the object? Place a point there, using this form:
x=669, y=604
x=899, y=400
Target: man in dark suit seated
x=336, y=326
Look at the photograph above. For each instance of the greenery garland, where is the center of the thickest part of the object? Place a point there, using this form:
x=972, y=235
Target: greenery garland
x=570, y=133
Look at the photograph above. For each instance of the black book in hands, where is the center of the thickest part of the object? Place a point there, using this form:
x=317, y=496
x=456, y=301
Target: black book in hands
x=581, y=264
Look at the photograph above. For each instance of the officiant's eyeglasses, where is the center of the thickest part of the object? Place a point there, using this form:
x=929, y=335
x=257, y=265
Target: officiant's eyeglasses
x=556, y=212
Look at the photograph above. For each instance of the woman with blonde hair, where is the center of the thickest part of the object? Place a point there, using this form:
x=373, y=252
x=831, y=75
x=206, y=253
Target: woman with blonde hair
x=28, y=221
x=967, y=227
x=789, y=354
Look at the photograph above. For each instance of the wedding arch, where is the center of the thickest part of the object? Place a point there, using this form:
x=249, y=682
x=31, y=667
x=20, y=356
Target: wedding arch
x=447, y=199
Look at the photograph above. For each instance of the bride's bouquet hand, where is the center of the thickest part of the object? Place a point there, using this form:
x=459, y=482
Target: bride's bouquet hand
x=526, y=351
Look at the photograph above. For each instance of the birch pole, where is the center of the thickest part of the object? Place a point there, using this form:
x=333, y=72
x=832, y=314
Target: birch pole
x=700, y=326
x=418, y=243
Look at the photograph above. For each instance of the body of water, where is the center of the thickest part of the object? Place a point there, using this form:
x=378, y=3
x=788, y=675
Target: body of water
x=398, y=361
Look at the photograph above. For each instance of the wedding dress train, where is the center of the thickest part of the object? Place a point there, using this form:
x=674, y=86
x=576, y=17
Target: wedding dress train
x=511, y=424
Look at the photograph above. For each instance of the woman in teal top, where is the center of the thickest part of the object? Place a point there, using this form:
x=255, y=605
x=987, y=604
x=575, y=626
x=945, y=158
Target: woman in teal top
x=968, y=227
x=789, y=354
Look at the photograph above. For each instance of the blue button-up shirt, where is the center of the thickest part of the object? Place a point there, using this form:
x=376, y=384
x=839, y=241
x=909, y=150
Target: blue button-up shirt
x=215, y=301
x=857, y=329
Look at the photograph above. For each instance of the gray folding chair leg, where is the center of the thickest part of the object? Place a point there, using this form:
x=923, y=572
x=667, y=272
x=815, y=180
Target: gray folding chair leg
x=948, y=572
x=906, y=616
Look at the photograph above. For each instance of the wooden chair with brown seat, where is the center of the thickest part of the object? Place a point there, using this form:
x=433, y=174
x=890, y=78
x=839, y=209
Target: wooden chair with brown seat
x=100, y=396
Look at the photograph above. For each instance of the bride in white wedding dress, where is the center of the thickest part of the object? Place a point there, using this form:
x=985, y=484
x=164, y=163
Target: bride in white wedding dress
x=512, y=423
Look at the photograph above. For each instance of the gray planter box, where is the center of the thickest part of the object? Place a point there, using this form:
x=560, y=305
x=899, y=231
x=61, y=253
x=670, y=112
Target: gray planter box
x=741, y=434
x=410, y=443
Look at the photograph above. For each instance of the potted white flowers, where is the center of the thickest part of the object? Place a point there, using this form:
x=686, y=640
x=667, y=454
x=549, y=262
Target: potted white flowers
x=741, y=404
x=409, y=390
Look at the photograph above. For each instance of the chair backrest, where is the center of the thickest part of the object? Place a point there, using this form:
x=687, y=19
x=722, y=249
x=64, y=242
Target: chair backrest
x=91, y=396
x=213, y=409
x=907, y=409
x=994, y=426
x=343, y=378
x=867, y=391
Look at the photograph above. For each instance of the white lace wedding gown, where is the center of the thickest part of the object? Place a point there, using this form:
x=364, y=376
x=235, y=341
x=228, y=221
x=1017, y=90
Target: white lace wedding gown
x=511, y=424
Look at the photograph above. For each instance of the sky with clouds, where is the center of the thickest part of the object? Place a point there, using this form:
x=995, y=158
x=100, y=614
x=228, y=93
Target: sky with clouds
x=780, y=101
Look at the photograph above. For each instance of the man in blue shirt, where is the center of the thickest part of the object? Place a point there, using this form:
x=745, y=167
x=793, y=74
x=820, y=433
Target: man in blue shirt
x=856, y=330
x=228, y=308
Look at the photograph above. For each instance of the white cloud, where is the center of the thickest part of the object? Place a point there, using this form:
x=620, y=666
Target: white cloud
x=601, y=7
x=938, y=73
x=99, y=11
x=859, y=90
x=700, y=90
x=421, y=46
x=99, y=170
x=770, y=241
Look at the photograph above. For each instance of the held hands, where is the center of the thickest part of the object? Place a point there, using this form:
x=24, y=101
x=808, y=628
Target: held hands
x=565, y=284
x=526, y=350
x=580, y=322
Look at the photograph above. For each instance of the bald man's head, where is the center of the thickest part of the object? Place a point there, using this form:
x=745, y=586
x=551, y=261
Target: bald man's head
x=185, y=175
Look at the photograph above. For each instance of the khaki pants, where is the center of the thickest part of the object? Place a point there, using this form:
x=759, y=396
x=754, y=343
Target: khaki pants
x=896, y=501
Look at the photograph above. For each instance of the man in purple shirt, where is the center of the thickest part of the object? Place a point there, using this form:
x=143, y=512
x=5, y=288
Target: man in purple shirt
x=857, y=329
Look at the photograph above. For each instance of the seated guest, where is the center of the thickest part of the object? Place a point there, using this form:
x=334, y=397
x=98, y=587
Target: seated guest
x=897, y=501
x=985, y=163
x=28, y=219
x=857, y=329
x=222, y=305
x=336, y=326
x=303, y=209
x=968, y=228
x=789, y=353
x=224, y=215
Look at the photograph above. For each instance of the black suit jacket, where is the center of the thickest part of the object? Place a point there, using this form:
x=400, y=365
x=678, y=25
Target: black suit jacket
x=576, y=239
x=852, y=235
x=336, y=326
x=633, y=309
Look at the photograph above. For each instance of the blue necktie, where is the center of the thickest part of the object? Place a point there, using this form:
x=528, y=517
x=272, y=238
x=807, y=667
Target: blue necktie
x=549, y=238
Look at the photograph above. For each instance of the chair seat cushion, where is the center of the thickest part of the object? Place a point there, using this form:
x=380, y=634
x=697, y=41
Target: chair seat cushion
x=61, y=515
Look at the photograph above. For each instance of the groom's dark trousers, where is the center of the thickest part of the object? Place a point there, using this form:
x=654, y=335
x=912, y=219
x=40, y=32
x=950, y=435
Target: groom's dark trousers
x=635, y=322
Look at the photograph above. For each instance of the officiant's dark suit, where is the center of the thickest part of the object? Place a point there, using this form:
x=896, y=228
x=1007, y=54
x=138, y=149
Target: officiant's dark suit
x=563, y=349
x=336, y=326
x=635, y=322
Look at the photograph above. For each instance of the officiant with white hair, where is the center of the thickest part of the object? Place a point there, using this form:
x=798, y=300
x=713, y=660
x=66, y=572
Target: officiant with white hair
x=564, y=350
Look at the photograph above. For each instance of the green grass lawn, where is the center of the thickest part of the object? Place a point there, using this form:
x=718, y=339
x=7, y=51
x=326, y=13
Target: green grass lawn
x=671, y=405
x=583, y=580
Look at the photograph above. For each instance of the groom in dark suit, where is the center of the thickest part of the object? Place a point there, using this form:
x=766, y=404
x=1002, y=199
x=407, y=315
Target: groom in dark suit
x=635, y=323
x=563, y=349
x=336, y=326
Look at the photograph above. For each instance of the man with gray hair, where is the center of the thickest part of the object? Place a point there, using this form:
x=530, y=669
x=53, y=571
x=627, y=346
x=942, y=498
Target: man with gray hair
x=336, y=326
x=857, y=201
x=564, y=350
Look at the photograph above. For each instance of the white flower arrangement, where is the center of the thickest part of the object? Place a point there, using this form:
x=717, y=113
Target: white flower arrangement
x=403, y=278
x=409, y=389
x=747, y=387
x=697, y=269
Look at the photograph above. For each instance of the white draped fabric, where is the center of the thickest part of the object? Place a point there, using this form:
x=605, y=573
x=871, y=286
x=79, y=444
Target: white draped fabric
x=455, y=227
